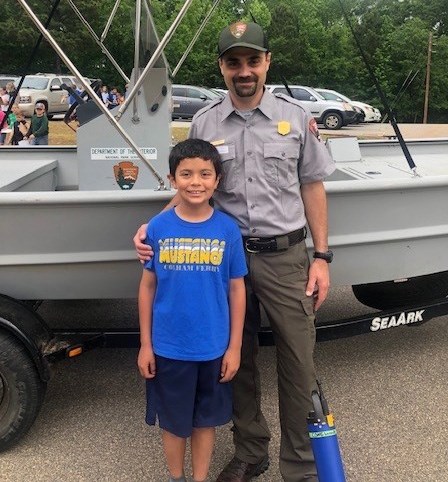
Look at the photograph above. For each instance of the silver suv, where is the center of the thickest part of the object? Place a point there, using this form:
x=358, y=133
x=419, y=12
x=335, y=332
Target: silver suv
x=44, y=88
x=332, y=114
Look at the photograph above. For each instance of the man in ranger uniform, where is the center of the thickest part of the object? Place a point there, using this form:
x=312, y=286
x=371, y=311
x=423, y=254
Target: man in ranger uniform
x=273, y=168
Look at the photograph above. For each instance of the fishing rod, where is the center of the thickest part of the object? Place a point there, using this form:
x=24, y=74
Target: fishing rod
x=383, y=98
x=408, y=81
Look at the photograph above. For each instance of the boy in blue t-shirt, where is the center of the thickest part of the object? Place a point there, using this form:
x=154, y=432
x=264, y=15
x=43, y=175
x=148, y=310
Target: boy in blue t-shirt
x=191, y=308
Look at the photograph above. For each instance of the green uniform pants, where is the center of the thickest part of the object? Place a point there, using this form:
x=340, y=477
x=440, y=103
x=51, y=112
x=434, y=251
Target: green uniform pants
x=277, y=281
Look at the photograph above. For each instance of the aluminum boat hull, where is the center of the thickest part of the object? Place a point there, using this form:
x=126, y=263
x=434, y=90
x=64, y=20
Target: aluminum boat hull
x=384, y=224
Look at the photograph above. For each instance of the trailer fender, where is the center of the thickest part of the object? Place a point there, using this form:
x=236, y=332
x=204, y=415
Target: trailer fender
x=411, y=291
x=28, y=328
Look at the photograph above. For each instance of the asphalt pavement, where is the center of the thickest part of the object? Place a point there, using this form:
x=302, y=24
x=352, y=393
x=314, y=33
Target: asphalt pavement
x=388, y=391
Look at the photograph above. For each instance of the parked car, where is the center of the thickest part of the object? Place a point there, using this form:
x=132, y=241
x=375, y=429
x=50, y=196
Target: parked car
x=44, y=88
x=188, y=99
x=332, y=114
x=329, y=94
x=219, y=91
x=370, y=113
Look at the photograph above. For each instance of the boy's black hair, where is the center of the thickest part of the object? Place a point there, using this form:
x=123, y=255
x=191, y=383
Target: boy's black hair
x=194, y=148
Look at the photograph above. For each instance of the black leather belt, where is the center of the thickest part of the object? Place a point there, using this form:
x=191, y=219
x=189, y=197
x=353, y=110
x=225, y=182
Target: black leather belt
x=275, y=243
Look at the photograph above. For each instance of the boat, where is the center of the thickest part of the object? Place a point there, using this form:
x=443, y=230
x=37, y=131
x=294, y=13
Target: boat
x=60, y=241
x=67, y=216
x=78, y=213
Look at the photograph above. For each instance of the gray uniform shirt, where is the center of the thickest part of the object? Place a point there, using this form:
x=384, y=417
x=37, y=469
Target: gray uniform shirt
x=265, y=159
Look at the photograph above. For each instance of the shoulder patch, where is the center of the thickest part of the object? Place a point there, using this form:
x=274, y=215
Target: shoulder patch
x=312, y=125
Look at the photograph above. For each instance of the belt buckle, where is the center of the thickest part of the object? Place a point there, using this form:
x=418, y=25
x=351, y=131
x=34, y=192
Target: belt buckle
x=249, y=250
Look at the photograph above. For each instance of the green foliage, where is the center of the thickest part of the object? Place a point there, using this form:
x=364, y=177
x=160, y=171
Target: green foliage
x=311, y=44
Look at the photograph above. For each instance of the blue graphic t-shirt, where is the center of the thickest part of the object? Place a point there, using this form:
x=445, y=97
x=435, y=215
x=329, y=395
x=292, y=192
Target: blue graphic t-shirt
x=193, y=263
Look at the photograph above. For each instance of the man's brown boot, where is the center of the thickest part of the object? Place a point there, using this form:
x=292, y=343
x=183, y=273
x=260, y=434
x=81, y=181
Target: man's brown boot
x=238, y=471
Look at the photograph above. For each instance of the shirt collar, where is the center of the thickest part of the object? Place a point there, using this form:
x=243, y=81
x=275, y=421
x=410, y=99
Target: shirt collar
x=266, y=106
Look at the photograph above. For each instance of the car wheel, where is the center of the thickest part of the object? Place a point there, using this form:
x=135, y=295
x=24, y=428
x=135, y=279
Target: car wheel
x=332, y=120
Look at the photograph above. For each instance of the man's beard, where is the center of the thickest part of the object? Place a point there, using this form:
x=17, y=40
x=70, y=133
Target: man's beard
x=242, y=89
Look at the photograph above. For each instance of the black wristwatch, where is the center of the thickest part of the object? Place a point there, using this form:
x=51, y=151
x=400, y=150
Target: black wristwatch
x=327, y=255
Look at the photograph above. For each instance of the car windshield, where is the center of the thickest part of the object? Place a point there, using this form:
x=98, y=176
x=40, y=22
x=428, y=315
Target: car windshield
x=38, y=83
x=211, y=93
x=334, y=96
x=315, y=93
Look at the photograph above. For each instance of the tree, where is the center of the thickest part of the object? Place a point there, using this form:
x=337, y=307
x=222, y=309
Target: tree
x=310, y=41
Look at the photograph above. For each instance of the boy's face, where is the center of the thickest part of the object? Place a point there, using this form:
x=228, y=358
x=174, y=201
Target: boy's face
x=195, y=180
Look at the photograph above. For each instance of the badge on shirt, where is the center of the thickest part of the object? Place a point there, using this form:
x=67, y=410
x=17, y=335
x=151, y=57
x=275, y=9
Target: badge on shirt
x=313, y=129
x=283, y=128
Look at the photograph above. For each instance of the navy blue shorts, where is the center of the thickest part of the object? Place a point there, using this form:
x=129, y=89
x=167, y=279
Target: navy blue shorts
x=187, y=394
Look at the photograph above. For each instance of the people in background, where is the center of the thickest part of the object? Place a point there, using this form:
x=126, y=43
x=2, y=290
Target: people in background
x=18, y=126
x=112, y=98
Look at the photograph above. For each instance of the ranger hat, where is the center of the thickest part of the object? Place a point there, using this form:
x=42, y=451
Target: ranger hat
x=242, y=34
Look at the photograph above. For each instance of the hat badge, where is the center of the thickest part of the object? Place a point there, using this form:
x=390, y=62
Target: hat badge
x=237, y=29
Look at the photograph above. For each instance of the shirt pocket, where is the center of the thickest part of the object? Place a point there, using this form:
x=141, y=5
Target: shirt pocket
x=280, y=164
x=230, y=168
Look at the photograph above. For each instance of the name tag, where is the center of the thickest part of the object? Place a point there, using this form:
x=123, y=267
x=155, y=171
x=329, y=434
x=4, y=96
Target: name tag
x=222, y=149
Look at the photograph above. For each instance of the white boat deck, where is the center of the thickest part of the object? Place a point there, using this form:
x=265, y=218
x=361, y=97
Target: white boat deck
x=395, y=167
x=377, y=161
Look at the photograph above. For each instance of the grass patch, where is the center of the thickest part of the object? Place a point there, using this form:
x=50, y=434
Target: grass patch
x=61, y=135
x=179, y=133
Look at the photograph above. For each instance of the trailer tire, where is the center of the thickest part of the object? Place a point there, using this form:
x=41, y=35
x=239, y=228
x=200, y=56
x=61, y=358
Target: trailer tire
x=391, y=294
x=21, y=391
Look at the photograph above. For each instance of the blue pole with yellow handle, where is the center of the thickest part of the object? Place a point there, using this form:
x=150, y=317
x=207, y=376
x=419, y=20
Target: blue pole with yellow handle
x=324, y=440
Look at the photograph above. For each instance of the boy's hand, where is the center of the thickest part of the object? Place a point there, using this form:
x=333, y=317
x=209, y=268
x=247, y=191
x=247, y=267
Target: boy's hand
x=146, y=362
x=230, y=364
x=144, y=251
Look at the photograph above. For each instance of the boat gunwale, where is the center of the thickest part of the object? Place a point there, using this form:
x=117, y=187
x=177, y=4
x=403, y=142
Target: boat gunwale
x=83, y=197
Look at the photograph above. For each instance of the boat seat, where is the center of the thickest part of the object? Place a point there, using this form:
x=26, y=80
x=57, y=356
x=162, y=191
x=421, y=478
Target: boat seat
x=28, y=175
x=344, y=149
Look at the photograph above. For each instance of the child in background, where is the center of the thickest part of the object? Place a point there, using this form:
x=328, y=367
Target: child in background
x=38, y=131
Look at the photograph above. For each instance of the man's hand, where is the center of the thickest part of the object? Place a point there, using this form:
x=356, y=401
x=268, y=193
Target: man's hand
x=144, y=251
x=318, y=282
x=146, y=362
x=230, y=364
